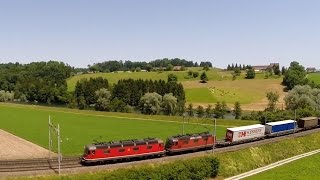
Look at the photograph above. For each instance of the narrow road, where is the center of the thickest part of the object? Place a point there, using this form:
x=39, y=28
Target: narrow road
x=273, y=165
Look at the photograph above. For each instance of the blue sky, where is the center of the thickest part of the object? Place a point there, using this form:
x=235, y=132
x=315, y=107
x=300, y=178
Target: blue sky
x=83, y=32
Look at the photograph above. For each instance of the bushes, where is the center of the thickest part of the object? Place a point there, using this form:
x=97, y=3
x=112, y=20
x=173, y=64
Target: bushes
x=6, y=96
x=279, y=115
x=195, y=168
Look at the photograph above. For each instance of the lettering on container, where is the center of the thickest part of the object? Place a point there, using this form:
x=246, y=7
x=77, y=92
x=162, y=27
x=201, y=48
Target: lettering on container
x=249, y=132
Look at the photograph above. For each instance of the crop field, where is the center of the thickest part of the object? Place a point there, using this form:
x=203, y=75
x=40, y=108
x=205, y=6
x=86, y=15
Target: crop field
x=314, y=77
x=245, y=91
x=84, y=127
x=306, y=168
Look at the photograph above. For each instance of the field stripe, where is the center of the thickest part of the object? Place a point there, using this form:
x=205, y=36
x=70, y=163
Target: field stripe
x=35, y=107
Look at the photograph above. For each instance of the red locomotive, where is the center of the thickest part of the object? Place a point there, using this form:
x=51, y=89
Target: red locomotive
x=150, y=147
x=189, y=142
x=127, y=149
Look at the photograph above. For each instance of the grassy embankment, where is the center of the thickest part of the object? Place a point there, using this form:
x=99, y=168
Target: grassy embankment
x=231, y=163
x=306, y=168
x=83, y=127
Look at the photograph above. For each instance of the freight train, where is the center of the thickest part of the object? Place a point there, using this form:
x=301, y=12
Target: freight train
x=105, y=152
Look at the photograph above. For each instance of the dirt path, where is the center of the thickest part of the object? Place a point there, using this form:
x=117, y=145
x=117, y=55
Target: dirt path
x=14, y=147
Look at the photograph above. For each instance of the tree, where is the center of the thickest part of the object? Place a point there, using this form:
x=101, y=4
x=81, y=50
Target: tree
x=302, y=97
x=220, y=109
x=200, y=111
x=251, y=74
x=195, y=74
x=118, y=105
x=169, y=67
x=206, y=68
x=172, y=78
x=273, y=97
x=150, y=103
x=229, y=67
x=276, y=70
x=190, y=110
x=283, y=70
x=237, y=71
x=203, y=77
x=208, y=111
x=223, y=109
x=237, y=112
x=169, y=104
x=103, y=100
x=295, y=75
x=81, y=103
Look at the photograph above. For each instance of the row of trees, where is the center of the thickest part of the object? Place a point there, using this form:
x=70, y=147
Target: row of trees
x=128, y=94
x=219, y=110
x=38, y=81
x=163, y=64
x=233, y=67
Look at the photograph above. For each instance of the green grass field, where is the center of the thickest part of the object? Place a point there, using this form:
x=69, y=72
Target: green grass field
x=314, y=77
x=306, y=168
x=213, y=75
x=83, y=127
x=182, y=76
x=219, y=88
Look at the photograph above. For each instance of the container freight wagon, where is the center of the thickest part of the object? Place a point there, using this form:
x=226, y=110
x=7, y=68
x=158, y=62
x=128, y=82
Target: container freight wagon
x=245, y=133
x=308, y=122
x=280, y=127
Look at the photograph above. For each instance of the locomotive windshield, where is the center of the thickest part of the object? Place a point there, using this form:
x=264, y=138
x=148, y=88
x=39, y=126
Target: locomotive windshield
x=86, y=150
x=169, y=143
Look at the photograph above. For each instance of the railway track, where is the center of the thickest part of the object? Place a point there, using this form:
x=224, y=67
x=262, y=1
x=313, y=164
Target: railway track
x=72, y=164
x=38, y=164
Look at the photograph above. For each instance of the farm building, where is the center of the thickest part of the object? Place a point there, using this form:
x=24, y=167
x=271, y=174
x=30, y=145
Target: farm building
x=311, y=69
x=259, y=68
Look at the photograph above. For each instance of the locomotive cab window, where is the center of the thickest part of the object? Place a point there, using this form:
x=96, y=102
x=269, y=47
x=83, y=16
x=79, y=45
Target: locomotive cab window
x=93, y=152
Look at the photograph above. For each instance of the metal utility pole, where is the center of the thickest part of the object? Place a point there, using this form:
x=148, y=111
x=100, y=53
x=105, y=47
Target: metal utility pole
x=183, y=119
x=57, y=131
x=59, y=154
x=49, y=138
x=214, y=134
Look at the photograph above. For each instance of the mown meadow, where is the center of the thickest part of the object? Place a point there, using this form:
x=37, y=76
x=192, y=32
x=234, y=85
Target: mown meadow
x=220, y=86
x=79, y=128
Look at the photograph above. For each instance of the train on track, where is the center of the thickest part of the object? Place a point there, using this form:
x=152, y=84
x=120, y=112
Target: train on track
x=106, y=152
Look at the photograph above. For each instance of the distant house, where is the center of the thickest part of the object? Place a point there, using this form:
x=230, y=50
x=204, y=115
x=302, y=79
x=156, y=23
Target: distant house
x=265, y=67
x=311, y=69
x=177, y=68
x=260, y=68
